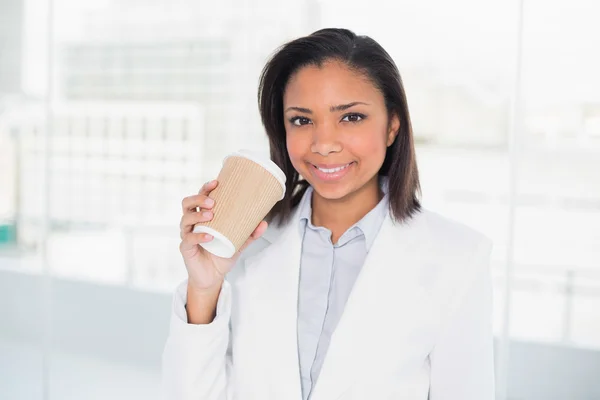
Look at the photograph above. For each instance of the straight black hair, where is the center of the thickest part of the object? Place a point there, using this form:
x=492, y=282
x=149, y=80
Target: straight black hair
x=364, y=55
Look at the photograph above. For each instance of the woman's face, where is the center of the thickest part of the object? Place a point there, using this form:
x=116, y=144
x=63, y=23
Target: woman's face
x=337, y=129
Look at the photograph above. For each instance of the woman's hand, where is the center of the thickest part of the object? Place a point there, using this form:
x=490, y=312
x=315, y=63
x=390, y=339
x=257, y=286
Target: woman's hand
x=205, y=270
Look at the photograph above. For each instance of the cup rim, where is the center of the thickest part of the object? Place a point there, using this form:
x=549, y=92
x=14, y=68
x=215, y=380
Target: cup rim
x=264, y=162
x=220, y=245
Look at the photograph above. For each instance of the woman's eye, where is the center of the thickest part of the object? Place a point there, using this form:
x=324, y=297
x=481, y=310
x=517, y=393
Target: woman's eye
x=353, y=118
x=299, y=121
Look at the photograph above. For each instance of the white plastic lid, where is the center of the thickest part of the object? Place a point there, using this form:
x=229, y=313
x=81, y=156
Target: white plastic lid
x=263, y=161
x=220, y=246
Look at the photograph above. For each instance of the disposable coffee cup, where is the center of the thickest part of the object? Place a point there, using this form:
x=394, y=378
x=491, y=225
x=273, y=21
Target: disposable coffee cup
x=249, y=186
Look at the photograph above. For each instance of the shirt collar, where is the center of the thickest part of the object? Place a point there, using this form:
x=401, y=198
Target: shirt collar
x=305, y=208
x=369, y=225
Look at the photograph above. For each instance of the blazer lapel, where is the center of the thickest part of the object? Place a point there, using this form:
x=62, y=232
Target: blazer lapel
x=386, y=290
x=272, y=288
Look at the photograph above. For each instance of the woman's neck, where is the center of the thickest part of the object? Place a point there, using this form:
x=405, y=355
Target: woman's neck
x=340, y=214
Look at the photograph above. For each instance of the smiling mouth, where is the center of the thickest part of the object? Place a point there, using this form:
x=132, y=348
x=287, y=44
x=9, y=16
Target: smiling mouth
x=332, y=170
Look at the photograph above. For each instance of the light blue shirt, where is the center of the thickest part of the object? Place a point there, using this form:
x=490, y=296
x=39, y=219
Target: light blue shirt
x=327, y=274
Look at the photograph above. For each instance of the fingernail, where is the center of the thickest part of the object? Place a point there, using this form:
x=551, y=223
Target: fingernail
x=209, y=202
x=207, y=236
x=207, y=214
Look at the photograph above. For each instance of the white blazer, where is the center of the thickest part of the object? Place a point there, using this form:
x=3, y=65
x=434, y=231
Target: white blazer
x=417, y=324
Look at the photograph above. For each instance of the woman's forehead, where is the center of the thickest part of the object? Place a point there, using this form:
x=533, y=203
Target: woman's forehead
x=332, y=82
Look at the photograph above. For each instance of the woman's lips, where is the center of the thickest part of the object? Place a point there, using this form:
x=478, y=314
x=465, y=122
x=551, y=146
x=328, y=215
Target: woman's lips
x=330, y=172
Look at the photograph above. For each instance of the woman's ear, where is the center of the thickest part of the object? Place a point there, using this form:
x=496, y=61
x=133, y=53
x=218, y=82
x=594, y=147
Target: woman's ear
x=393, y=129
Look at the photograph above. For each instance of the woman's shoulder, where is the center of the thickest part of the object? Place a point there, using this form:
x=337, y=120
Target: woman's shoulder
x=452, y=255
x=446, y=233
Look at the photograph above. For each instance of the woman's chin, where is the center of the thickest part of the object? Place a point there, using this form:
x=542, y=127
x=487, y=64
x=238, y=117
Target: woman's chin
x=342, y=189
x=331, y=191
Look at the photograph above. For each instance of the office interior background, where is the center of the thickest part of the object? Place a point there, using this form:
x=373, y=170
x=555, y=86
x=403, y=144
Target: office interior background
x=112, y=111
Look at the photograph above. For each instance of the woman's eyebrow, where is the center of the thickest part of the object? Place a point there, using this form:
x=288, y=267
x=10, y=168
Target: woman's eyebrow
x=342, y=107
x=339, y=107
x=300, y=109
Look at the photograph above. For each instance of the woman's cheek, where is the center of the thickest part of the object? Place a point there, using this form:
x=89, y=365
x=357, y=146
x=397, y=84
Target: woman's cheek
x=295, y=148
x=366, y=143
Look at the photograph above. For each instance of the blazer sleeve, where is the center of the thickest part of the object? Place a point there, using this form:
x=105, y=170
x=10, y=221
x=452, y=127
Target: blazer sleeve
x=462, y=361
x=196, y=360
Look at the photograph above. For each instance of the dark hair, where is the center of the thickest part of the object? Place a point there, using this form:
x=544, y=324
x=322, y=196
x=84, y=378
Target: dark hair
x=365, y=55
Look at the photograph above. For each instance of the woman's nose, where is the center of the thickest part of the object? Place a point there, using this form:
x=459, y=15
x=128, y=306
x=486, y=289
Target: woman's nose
x=325, y=140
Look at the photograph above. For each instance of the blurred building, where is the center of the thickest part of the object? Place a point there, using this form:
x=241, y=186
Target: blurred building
x=591, y=123
x=149, y=96
x=11, y=46
x=11, y=53
x=143, y=52
x=190, y=70
x=175, y=51
x=567, y=127
x=110, y=164
x=449, y=111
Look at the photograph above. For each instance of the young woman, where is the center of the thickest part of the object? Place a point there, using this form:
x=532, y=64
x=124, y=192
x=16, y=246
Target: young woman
x=354, y=291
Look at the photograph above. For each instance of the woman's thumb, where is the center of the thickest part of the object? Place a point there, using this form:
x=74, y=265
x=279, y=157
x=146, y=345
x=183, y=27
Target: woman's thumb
x=258, y=232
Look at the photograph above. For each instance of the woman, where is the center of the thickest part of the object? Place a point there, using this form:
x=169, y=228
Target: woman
x=354, y=291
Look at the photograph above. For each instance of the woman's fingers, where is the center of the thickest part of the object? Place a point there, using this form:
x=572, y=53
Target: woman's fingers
x=192, y=203
x=192, y=218
x=208, y=187
x=200, y=200
x=192, y=239
x=197, y=209
x=260, y=229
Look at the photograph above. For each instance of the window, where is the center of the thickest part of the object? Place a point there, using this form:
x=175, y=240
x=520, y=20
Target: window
x=115, y=110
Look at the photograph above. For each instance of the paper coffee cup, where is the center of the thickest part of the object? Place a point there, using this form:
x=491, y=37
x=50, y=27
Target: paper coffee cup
x=249, y=186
